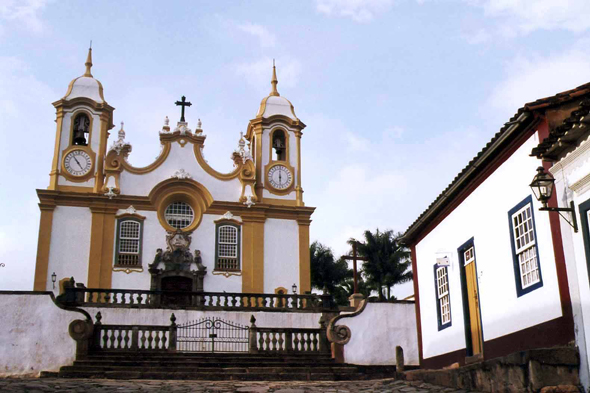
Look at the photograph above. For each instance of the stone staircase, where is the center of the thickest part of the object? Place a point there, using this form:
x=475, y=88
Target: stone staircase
x=218, y=366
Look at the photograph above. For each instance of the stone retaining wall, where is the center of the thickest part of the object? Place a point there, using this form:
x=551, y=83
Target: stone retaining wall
x=526, y=371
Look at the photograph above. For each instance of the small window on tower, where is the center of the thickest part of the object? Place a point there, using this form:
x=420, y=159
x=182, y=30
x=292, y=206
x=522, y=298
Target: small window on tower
x=81, y=130
x=278, y=145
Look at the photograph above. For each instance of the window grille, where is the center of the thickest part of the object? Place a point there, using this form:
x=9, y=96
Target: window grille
x=525, y=246
x=228, y=242
x=179, y=215
x=442, y=286
x=129, y=243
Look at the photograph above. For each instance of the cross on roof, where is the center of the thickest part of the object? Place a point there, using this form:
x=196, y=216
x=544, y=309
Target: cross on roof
x=354, y=257
x=182, y=103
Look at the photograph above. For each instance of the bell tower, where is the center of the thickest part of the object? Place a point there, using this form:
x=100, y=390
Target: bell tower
x=83, y=120
x=275, y=140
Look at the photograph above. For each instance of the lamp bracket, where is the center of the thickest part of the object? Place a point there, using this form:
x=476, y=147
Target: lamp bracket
x=573, y=221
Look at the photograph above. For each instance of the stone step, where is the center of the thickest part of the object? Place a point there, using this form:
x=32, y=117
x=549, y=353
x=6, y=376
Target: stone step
x=232, y=370
x=294, y=376
x=200, y=363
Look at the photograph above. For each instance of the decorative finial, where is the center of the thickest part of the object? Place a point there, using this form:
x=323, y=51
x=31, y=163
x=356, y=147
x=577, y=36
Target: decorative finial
x=274, y=81
x=88, y=63
x=166, y=121
x=199, y=124
x=122, y=132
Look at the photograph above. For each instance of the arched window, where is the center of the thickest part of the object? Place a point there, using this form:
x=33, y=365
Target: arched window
x=128, y=243
x=278, y=145
x=227, y=253
x=81, y=130
x=179, y=215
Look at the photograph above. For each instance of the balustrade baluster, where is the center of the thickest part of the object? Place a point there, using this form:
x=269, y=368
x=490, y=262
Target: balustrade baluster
x=262, y=342
x=126, y=339
x=274, y=341
x=315, y=342
x=105, y=339
x=123, y=300
x=157, y=340
x=164, y=340
x=143, y=340
x=281, y=341
x=150, y=339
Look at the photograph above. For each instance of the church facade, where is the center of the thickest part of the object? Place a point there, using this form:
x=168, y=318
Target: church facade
x=176, y=224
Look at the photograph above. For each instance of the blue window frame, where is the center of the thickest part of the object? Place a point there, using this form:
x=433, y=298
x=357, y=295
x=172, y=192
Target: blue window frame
x=525, y=251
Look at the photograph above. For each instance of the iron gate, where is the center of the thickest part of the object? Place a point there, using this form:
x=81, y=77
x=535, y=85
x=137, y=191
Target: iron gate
x=212, y=335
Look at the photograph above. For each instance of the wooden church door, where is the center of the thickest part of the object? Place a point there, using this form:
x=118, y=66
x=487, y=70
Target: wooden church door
x=474, y=334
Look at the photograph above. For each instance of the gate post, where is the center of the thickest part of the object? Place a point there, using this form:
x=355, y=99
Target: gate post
x=253, y=333
x=324, y=344
x=135, y=338
x=172, y=333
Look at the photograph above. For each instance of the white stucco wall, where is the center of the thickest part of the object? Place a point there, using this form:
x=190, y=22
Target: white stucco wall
x=572, y=183
x=34, y=335
x=483, y=215
x=281, y=254
x=378, y=330
x=203, y=238
x=70, y=244
x=181, y=158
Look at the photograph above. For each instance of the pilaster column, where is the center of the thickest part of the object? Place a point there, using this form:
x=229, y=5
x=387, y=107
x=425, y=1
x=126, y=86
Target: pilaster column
x=43, y=246
x=54, y=174
x=298, y=188
x=304, y=259
x=253, y=253
x=102, y=237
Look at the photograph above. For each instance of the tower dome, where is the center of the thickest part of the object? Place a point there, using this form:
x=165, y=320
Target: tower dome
x=274, y=104
x=85, y=86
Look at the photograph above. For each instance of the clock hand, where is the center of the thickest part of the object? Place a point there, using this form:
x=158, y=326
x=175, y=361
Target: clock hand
x=78, y=162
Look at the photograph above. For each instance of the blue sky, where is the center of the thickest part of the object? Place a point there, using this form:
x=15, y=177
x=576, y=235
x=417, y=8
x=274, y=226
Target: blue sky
x=397, y=96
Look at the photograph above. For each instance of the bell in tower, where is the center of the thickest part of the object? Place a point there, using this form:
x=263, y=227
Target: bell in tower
x=278, y=144
x=81, y=128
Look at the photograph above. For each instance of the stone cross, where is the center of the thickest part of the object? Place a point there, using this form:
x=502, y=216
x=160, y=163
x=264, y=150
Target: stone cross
x=354, y=257
x=183, y=103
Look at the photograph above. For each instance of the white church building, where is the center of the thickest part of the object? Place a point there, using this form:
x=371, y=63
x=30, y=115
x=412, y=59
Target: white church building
x=110, y=224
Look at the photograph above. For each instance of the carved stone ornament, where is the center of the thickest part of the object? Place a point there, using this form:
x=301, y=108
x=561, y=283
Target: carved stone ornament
x=249, y=202
x=228, y=215
x=130, y=210
x=119, y=145
x=182, y=127
x=181, y=174
x=110, y=192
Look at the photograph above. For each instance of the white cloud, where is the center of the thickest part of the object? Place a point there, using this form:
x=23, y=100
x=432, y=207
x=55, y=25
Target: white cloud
x=359, y=10
x=265, y=37
x=536, y=76
x=357, y=143
x=478, y=37
x=529, y=15
x=24, y=13
x=258, y=73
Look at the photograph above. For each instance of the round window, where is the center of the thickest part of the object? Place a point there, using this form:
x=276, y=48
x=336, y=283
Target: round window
x=179, y=215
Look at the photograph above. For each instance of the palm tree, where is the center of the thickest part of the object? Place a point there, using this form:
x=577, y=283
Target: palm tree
x=388, y=261
x=327, y=273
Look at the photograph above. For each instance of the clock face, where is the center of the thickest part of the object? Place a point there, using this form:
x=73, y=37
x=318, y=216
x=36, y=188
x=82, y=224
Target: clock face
x=280, y=177
x=78, y=163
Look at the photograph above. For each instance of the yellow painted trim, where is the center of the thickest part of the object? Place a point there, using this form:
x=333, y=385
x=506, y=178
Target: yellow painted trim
x=211, y=171
x=78, y=179
x=129, y=215
x=177, y=190
x=54, y=174
x=280, y=202
x=102, y=151
x=87, y=190
x=119, y=161
x=43, y=247
x=304, y=258
x=229, y=221
x=298, y=188
x=102, y=236
x=253, y=254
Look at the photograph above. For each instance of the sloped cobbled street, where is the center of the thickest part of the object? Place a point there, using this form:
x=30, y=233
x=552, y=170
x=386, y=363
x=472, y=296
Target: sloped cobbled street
x=36, y=385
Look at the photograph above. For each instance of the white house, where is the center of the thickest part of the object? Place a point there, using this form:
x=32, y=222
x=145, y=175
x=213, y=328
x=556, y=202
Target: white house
x=103, y=220
x=567, y=151
x=490, y=273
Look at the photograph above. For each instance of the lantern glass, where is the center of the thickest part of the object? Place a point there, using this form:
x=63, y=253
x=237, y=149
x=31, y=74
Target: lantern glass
x=542, y=185
x=294, y=288
x=53, y=277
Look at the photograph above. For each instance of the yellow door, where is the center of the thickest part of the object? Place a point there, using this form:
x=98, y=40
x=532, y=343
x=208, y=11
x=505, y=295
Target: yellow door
x=473, y=297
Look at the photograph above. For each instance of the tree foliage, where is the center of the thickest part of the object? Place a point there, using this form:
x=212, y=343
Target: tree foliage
x=388, y=261
x=327, y=273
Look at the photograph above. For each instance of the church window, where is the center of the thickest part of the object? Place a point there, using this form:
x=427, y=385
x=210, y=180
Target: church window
x=129, y=233
x=278, y=145
x=443, y=300
x=227, y=256
x=179, y=215
x=81, y=130
x=525, y=252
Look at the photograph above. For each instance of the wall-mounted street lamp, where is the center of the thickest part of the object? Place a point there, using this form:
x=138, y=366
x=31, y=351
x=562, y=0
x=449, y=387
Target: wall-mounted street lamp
x=294, y=288
x=542, y=186
x=53, y=279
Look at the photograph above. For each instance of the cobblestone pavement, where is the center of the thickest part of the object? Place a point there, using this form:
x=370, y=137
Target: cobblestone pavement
x=36, y=385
